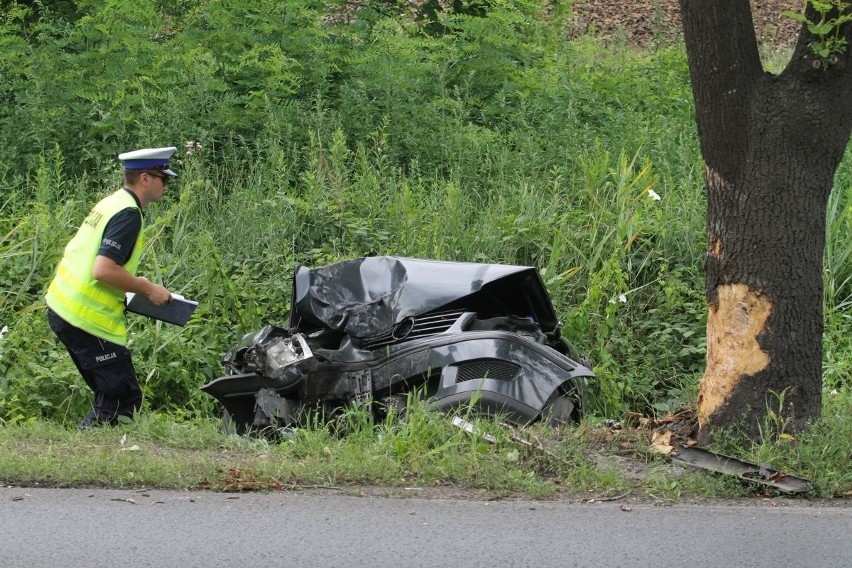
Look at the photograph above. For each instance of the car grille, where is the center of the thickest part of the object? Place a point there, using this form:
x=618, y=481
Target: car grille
x=487, y=369
x=414, y=328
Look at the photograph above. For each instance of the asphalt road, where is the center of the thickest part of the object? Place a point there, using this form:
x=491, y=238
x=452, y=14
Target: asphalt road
x=71, y=528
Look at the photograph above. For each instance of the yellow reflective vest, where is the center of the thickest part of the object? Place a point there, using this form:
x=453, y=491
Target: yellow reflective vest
x=74, y=294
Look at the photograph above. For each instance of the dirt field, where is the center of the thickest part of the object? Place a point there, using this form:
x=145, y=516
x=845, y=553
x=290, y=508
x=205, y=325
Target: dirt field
x=641, y=20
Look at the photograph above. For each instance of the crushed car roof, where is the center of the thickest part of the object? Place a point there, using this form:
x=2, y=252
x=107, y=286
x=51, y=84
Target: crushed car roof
x=368, y=296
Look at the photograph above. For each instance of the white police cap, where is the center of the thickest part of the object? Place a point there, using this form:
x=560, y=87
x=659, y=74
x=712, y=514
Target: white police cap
x=149, y=159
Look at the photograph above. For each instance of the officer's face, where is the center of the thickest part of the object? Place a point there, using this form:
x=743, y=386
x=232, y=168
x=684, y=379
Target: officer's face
x=159, y=184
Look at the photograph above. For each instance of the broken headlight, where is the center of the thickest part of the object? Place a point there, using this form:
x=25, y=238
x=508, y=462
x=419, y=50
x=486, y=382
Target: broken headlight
x=282, y=353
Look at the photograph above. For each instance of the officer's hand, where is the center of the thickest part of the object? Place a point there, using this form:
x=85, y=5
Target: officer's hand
x=159, y=295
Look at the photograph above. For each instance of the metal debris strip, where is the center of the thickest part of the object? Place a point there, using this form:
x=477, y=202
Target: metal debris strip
x=758, y=473
x=459, y=422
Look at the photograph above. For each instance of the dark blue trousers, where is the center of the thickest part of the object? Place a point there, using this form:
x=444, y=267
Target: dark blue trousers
x=106, y=367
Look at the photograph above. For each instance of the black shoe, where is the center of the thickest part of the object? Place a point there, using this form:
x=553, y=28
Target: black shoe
x=89, y=421
x=87, y=424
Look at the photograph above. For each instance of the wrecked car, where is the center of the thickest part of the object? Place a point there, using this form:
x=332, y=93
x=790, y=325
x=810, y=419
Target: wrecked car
x=371, y=330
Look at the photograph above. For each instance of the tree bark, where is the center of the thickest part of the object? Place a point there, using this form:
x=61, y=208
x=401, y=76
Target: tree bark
x=771, y=146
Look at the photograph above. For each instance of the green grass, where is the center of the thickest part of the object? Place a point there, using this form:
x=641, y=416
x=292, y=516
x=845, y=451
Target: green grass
x=421, y=449
x=821, y=453
x=496, y=141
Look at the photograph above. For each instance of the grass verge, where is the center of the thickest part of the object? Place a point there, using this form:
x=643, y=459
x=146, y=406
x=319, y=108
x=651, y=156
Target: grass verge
x=421, y=450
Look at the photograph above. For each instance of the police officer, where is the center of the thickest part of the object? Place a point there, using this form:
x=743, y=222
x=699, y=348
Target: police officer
x=86, y=298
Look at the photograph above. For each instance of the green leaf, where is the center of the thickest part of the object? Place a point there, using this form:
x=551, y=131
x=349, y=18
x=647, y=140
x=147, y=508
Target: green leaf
x=819, y=6
x=795, y=15
x=821, y=29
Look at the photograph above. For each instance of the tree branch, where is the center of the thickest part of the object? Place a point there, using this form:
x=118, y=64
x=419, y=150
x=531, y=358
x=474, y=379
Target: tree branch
x=725, y=67
x=803, y=56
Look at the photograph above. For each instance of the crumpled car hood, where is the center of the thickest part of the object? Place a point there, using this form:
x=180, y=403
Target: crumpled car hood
x=365, y=297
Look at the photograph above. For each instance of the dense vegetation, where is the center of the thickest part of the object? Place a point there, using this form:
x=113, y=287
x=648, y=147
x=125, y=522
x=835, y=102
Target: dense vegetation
x=310, y=133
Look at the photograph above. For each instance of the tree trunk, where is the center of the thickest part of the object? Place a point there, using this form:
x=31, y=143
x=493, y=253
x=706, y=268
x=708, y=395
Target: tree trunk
x=771, y=145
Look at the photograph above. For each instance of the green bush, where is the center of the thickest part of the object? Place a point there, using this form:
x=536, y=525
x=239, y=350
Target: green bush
x=306, y=137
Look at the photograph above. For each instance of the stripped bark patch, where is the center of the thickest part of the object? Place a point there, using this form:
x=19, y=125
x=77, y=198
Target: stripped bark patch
x=733, y=351
x=715, y=248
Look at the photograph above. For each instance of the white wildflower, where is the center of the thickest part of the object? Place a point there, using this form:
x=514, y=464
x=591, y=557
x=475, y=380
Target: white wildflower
x=2, y=333
x=622, y=298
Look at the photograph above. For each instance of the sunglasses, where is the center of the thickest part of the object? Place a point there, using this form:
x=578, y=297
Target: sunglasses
x=163, y=178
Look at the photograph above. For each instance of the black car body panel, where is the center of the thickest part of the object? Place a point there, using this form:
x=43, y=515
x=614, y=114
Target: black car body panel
x=366, y=297
x=371, y=329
